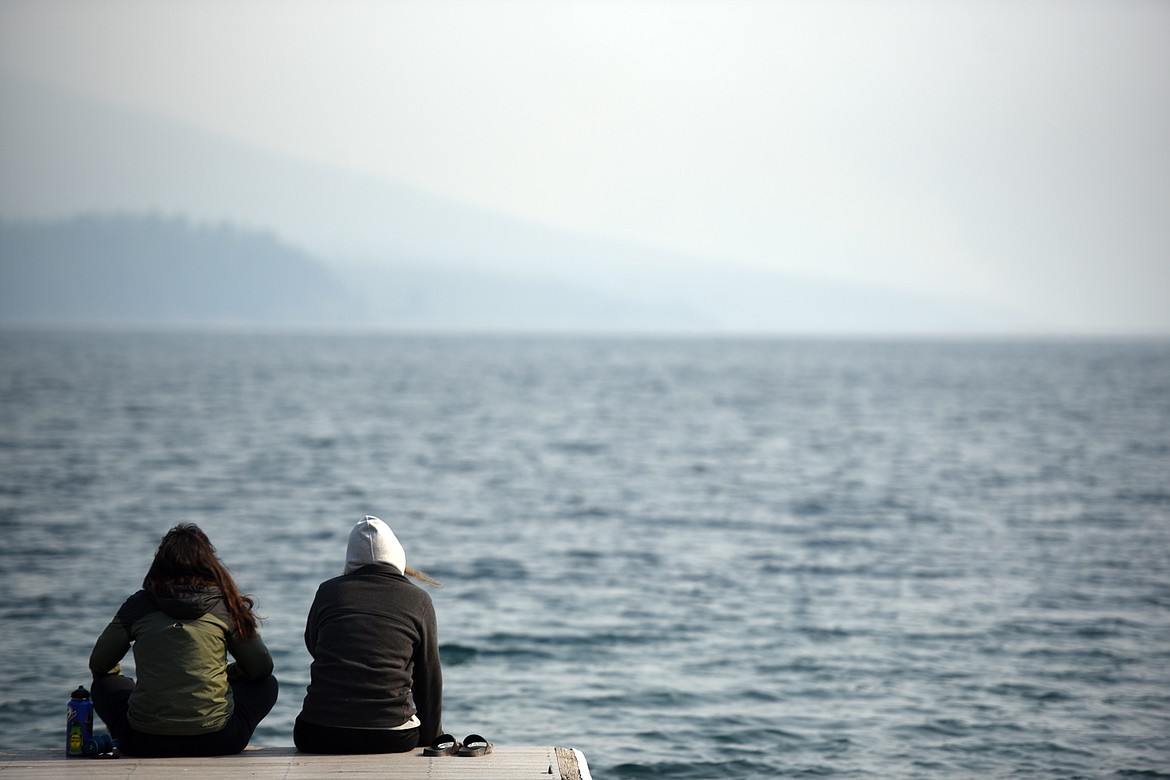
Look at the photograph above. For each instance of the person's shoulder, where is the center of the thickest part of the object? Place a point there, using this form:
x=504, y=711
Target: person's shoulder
x=416, y=588
x=139, y=599
x=333, y=585
x=417, y=593
x=333, y=582
x=136, y=607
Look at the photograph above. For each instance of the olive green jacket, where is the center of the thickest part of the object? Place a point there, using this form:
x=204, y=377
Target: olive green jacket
x=180, y=655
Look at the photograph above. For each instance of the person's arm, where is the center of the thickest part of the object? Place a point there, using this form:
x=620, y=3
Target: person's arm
x=253, y=661
x=311, y=626
x=427, y=685
x=109, y=650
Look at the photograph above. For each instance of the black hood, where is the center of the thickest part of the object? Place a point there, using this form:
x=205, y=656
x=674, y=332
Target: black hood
x=189, y=603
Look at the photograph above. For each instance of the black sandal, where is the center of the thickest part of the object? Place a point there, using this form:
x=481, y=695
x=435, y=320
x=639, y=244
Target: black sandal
x=474, y=745
x=444, y=745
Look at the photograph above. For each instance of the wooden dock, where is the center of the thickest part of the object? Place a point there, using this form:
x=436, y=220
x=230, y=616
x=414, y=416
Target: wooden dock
x=505, y=762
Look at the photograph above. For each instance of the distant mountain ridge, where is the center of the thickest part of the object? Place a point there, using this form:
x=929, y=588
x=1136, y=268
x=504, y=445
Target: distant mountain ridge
x=382, y=254
x=153, y=269
x=146, y=269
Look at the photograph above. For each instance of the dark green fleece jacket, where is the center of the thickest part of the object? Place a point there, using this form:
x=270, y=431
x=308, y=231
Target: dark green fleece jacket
x=180, y=653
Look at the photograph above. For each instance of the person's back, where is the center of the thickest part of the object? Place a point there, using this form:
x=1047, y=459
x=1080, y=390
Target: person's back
x=375, y=680
x=178, y=646
x=188, y=700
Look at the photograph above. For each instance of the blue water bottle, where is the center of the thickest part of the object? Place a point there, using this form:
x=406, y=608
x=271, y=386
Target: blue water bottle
x=78, y=723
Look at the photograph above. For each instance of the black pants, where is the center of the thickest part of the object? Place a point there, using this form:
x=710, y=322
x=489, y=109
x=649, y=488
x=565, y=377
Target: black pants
x=336, y=740
x=253, y=700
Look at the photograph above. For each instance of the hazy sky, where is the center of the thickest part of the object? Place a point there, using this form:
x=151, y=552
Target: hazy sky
x=1014, y=150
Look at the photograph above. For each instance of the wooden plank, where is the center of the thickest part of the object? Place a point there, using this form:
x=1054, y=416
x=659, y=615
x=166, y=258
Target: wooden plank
x=571, y=764
x=506, y=762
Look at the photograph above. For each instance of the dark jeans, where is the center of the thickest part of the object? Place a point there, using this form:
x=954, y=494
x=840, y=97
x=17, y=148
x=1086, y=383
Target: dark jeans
x=311, y=738
x=253, y=700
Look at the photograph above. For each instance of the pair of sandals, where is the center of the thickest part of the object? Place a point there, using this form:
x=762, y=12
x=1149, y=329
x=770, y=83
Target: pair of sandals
x=447, y=745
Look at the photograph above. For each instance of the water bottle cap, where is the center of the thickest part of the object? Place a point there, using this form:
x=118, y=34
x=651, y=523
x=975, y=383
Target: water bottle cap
x=80, y=693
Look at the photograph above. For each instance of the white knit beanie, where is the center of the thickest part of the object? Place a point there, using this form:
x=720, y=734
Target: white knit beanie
x=372, y=541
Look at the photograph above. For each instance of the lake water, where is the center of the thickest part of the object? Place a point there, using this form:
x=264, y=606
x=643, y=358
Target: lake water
x=689, y=558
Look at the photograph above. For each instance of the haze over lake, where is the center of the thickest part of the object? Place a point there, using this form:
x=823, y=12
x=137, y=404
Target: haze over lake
x=786, y=167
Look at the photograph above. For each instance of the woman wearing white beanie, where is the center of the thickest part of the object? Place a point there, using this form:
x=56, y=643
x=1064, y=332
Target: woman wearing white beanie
x=376, y=685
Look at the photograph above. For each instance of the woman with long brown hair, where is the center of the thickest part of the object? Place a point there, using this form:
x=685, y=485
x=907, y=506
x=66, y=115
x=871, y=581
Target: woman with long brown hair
x=188, y=700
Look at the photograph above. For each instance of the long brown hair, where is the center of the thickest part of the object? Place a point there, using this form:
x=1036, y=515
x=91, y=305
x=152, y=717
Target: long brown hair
x=186, y=558
x=422, y=576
